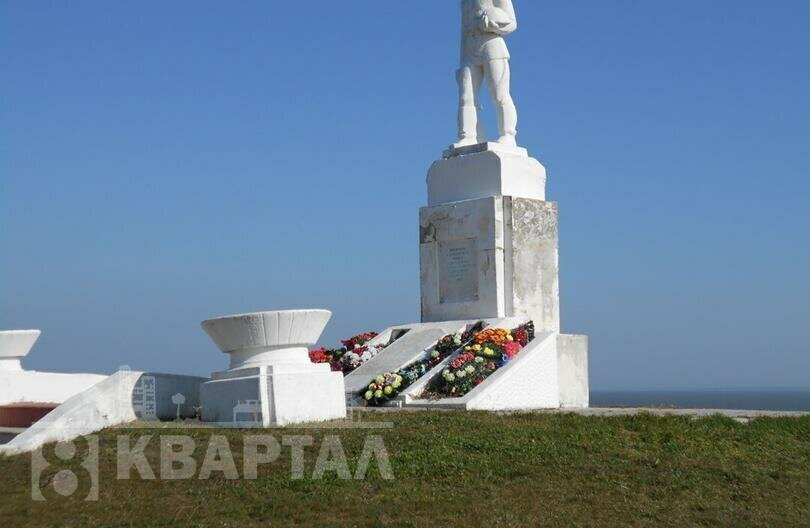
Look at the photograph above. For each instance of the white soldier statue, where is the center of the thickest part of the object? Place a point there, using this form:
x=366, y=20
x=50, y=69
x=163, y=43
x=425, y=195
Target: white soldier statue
x=484, y=55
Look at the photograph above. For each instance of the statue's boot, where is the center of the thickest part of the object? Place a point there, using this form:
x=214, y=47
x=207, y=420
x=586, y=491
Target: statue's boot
x=507, y=122
x=468, y=127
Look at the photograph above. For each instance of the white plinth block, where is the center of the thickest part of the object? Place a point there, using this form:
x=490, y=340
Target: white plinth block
x=275, y=395
x=488, y=169
x=271, y=380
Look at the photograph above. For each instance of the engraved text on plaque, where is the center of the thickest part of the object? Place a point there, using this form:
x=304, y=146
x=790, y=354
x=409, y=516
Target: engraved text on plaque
x=458, y=271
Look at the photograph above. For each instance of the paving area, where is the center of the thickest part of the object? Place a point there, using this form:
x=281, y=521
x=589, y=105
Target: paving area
x=740, y=415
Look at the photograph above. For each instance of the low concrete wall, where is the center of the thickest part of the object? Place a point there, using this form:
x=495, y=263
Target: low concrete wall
x=47, y=387
x=108, y=403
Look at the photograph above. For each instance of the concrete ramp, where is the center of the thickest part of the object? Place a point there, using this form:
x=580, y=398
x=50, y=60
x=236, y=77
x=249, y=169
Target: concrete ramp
x=529, y=381
x=124, y=397
x=416, y=339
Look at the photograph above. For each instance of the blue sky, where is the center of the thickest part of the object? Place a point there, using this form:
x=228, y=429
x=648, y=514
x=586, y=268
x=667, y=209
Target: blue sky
x=166, y=162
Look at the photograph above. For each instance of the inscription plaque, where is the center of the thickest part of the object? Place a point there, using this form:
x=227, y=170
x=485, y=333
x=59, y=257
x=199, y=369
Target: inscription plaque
x=458, y=271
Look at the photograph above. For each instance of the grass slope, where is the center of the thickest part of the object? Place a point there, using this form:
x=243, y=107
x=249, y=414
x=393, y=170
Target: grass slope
x=469, y=469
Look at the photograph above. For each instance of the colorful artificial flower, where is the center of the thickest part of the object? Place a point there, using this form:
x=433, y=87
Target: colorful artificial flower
x=355, y=352
x=491, y=335
x=489, y=349
x=511, y=349
x=358, y=340
x=463, y=366
x=320, y=355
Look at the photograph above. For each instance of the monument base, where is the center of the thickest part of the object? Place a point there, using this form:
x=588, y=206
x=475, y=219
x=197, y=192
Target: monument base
x=486, y=169
x=489, y=250
x=490, y=257
x=273, y=395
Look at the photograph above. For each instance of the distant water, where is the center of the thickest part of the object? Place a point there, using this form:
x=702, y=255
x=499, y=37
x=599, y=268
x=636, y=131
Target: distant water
x=764, y=399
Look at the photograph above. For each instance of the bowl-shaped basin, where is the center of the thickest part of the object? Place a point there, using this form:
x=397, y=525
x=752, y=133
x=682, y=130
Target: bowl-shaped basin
x=15, y=345
x=263, y=330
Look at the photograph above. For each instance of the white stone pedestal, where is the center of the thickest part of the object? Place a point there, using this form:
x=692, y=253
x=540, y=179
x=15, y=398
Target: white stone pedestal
x=489, y=249
x=486, y=169
x=271, y=381
x=273, y=395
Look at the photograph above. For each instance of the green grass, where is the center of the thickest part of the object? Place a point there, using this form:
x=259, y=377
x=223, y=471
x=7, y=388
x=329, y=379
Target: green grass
x=469, y=469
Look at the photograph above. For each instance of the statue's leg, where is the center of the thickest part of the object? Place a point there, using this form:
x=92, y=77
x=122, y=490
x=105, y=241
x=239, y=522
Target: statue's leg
x=477, y=80
x=469, y=83
x=497, y=72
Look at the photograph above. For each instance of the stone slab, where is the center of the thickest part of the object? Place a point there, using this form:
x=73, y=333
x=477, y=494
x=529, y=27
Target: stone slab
x=404, y=350
x=484, y=173
x=531, y=261
x=490, y=258
x=273, y=395
x=487, y=146
x=572, y=365
x=461, y=257
x=296, y=399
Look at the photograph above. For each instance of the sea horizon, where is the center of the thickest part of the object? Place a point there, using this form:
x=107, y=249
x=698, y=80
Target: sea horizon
x=760, y=399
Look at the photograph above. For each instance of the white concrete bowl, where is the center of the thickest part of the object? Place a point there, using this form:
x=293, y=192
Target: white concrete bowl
x=267, y=338
x=15, y=345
